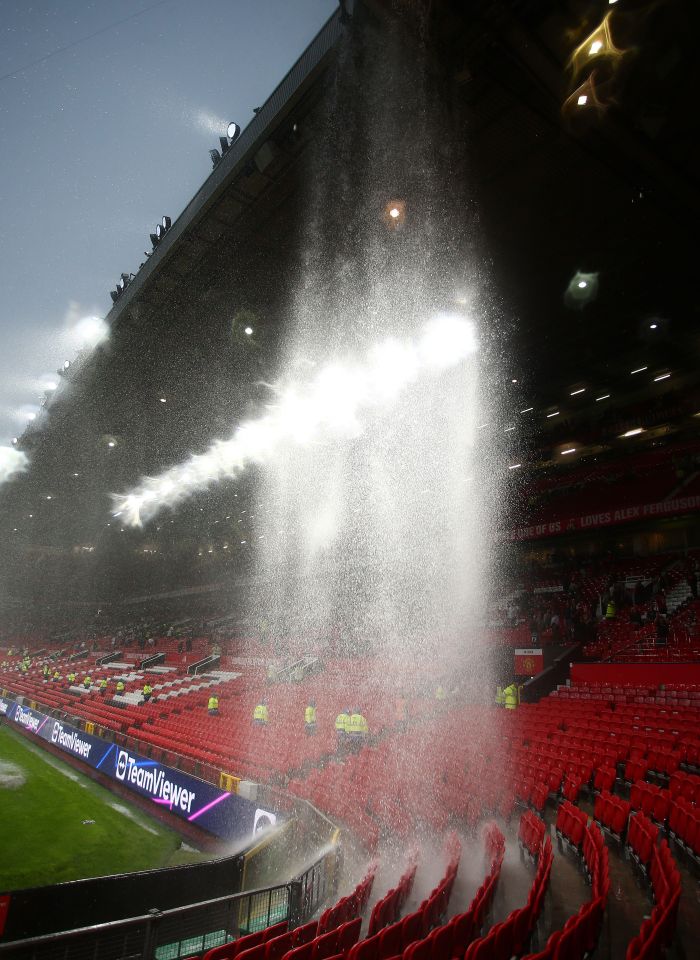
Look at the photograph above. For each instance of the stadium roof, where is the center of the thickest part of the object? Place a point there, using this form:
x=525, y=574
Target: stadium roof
x=556, y=195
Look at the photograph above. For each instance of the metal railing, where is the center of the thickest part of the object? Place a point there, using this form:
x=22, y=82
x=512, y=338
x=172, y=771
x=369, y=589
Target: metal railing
x=193, y=929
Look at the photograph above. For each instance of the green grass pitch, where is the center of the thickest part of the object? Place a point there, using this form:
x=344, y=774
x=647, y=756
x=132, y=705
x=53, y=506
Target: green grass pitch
x=59, y=825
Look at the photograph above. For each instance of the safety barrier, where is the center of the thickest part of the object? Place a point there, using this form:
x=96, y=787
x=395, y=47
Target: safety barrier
x=192, y=929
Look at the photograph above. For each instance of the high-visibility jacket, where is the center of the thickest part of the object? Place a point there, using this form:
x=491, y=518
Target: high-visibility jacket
x=120, y=686
x=103, y=684
x=147, y=688
x=46, y=671
x=260, y=713
x=71, y=678
x=87, y=681
x=610, y=610
x=342, y=721
x=56, y=675
x=310, y=715
x=500, y=698
x=510, y=695
x=213, y=703
x=357, y=725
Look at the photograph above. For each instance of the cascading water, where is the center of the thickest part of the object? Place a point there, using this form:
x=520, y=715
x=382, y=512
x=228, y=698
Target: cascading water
x=378, y=541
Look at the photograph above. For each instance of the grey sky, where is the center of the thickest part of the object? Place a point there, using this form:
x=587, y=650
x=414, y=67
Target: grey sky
x=102, y=139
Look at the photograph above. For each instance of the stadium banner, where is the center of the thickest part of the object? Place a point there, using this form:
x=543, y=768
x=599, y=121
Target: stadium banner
x=202, y=804
x=605, y=518
x=528, y=662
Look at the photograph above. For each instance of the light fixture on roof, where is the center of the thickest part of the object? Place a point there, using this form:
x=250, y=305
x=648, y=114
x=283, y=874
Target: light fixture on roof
x=568, y=450
x=663, y=376
x=555, y=414
x=633, y=433
x=575, y=393
x=527, y=410
x=66, y=364
x=606, y=396
x=163, y=400
x=508, y=429
x=581, y=289
x=111, y=443
x=597, y=44
x=582, y=100
x=49, y=497
x=638, y=370
x=15, y=440
x=248, y=331
x=395, y=213
x=513, y=380
x=515, y=466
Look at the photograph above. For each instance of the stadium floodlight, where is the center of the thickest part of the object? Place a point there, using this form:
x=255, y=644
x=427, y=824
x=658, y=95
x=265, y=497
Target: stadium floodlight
x=167, y=223
x=233, y=132
x=153, y=238
x=248, y=331
x=215, y=157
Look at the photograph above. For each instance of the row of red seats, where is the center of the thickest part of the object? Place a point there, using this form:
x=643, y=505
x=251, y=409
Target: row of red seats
x=233, y=949
x=531, y=833
x=350, y=907
x=684, y=825
x=653, y=801
x=686, y=785
x=604, y=779
x=657, y=931
x=571, y=824
x=611, y=812
x=512, y=936
x=642, y=836
x=387, y=910
x=581, y=932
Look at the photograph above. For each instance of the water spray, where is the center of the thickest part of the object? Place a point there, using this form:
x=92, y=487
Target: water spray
x=327, y=407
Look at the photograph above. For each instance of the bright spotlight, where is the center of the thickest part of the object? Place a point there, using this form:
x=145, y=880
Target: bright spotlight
x=12, y=462
x=111, y=443
x=90, y=331
x=166, y=222
x=395, y=213
x=163, y=400
x=233, y=132
x=582, y=100
x=66, y=364
x=653, y=326
x=248, y=331
x=31, y=416
x=582, y=284
x=595, y=47
x=633, y=433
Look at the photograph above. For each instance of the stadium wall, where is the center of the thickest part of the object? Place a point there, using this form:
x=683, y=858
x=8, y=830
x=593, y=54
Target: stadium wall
x=636, y=673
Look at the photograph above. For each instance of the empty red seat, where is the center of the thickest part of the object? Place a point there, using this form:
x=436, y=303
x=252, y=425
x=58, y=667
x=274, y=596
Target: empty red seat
x=276, y=948
x=325, y=945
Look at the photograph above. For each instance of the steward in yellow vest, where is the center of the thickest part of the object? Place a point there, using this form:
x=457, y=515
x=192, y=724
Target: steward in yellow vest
x=147, y=691
x=356, y=729
x=120, y=686
x=310, y=719
x=213, y=706
x=261, y=715
x=71, y=677
x=510, y=695
x=103, y=686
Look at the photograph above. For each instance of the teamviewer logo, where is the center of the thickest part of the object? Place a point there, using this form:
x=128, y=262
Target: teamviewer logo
x=122, y=761
x=54, y=732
